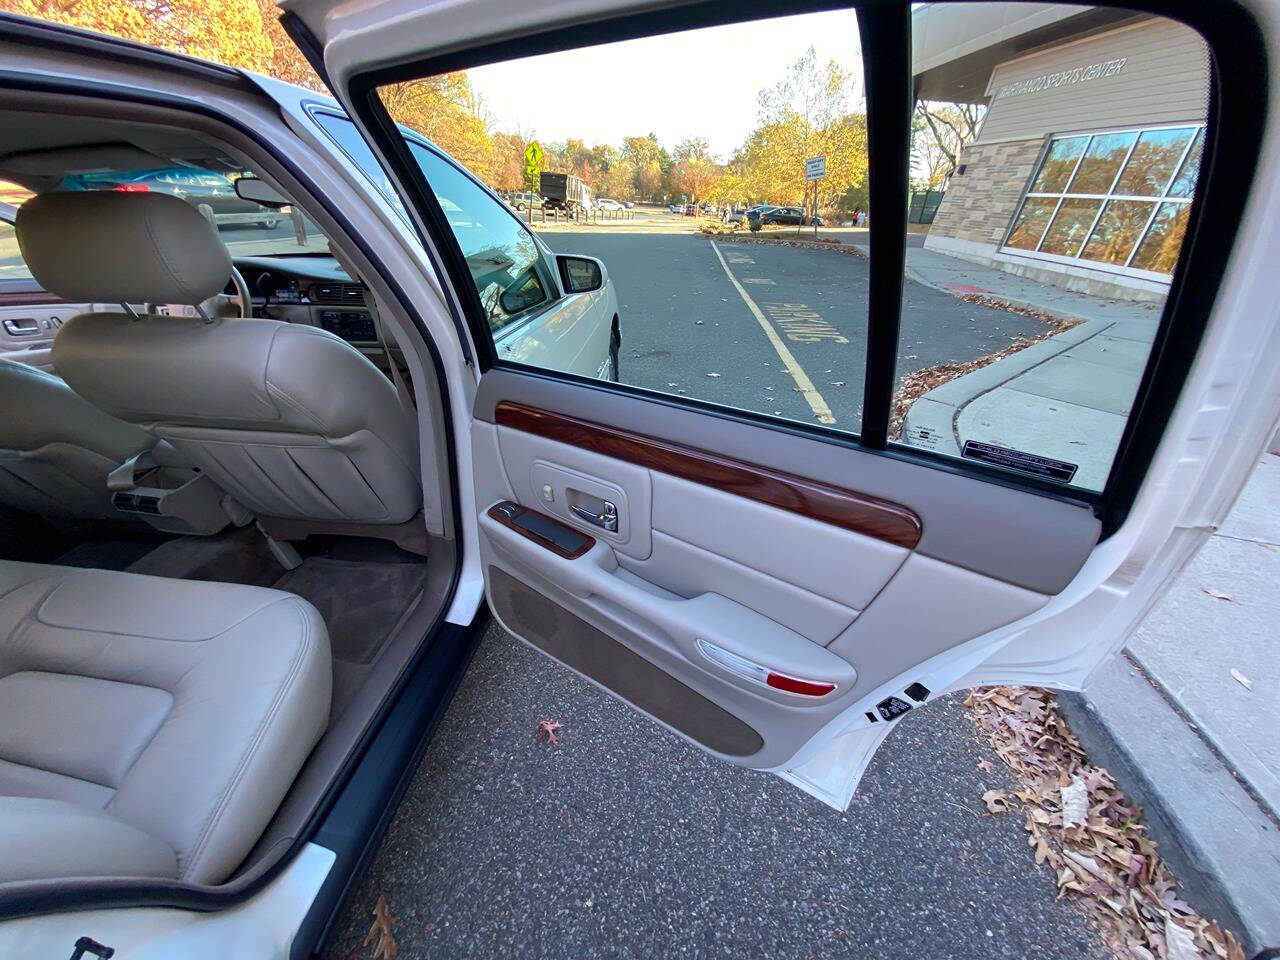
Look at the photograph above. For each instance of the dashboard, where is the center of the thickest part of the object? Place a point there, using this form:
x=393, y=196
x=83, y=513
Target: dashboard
x=312, y=290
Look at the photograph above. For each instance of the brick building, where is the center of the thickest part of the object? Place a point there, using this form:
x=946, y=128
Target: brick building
x=1084, y=166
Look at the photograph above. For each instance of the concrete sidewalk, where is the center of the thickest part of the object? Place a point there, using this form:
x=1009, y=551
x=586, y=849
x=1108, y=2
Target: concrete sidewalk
x=1067, y=397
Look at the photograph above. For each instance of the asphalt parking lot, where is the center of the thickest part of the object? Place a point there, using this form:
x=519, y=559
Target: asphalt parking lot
x=684, y=319
x=624, y=841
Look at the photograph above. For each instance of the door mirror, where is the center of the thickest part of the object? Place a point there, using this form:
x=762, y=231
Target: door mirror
x=581, y=274
x=259, y=191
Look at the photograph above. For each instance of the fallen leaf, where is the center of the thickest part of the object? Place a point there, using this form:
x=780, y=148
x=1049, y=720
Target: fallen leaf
x=382, y=929
x=1242, y=679
x=1179, y=943
x=997, y=801
x=1075, y=803
x=713, y=375
x=547, y=731
x=986, y=766
x=1218, y=594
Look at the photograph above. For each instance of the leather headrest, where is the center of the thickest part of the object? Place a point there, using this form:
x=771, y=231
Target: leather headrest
x=103, y=246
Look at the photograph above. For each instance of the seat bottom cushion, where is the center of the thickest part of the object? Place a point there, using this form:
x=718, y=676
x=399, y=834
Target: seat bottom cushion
x=176, y=708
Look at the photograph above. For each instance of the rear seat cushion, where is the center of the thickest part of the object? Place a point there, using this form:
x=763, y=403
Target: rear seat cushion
x=182, y=709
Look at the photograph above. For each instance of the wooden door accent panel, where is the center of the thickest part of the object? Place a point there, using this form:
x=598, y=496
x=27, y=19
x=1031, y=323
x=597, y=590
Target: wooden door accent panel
x=848, y=509
x=509, y=516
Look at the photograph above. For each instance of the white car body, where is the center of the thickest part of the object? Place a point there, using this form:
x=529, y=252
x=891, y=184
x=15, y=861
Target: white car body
x=1226, y=414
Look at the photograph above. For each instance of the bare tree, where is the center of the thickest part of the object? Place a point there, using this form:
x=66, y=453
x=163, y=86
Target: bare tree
x=942, y=129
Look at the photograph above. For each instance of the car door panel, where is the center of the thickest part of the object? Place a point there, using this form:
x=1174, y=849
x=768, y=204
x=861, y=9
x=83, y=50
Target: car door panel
x=761, y=572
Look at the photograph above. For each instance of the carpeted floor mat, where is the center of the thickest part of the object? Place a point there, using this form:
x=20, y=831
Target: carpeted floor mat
x=360, y=601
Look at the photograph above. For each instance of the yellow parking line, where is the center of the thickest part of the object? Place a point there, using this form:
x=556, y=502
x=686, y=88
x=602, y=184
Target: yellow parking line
x=807, y=389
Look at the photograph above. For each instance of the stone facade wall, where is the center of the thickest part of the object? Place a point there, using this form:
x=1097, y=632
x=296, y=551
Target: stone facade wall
x=980, y=203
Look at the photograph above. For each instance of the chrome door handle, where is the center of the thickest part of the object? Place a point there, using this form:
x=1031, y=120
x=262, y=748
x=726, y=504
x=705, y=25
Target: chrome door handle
x=21, y=328
x=606, y=520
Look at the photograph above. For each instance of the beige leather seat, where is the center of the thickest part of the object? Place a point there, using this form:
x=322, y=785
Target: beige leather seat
x=289, y=419
x=56, y=448
x=149, y=727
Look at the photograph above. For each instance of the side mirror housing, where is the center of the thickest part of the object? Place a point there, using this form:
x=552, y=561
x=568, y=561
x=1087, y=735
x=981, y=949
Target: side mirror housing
x=259, y=191
x=580, y=274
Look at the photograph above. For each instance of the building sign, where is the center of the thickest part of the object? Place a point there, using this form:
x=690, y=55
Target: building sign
x=815, y=168
x=1063, y=78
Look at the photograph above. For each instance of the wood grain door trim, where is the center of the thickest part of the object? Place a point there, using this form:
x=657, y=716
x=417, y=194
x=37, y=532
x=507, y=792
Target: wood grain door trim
x=495, y=513
x=847, y=509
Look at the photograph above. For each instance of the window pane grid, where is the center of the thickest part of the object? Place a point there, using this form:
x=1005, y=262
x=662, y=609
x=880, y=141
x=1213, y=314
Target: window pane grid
x=1166, y=199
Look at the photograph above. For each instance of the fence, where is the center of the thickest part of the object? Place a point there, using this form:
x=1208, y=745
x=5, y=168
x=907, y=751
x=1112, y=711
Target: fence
x=594, y=215
x=923, y=205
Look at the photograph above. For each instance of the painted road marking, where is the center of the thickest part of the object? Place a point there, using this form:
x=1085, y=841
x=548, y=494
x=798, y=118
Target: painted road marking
x=803, y=383
x=760, y=280
x=802, y=324
x=740, y=258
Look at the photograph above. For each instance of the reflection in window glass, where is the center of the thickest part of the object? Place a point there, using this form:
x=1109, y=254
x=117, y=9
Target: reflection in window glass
x=1058, y=165
x=501, y=254
x=689, y=189
x=1121, y=164
x=1029, y=226
x=1069, y=227
x=1101, y=162
x=1050, y=252
x=1160, y=247
x=1155, y=157
x=1118, y=229
x=1186, y=179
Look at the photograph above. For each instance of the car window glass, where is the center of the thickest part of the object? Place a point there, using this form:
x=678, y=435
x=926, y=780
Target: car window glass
x=344, y=132
x=502, y=257
x=1054, y=195
x=12, y=266
x=246, y=227
x=764, y=313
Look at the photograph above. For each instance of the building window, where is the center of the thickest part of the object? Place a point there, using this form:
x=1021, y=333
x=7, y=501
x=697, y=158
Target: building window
x=1119, y=199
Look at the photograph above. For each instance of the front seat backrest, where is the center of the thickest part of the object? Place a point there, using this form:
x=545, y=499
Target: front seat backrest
x=291, y=420
x=56, y=448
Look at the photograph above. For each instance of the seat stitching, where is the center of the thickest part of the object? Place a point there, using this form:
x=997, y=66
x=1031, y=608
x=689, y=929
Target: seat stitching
x=59, y=773
x=211, y=822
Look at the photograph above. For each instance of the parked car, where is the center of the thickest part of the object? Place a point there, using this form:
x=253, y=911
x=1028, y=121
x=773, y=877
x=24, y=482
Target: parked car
x=628, y=204
x=525, y=200
x=203, y=189
x=675, y=208
x=604, y=203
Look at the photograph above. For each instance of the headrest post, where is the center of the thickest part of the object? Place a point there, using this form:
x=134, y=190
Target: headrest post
x=130, y=311
x=203, y=315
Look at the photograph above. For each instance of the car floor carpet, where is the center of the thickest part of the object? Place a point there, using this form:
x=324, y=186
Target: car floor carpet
x=361, y=601
x=108, y=553
x=240, y=556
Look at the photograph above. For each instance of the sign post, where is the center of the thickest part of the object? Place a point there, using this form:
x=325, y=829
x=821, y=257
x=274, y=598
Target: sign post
x=532, y=171
x=815, y=168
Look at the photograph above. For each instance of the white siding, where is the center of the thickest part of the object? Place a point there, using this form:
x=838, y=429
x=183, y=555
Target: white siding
x=1164, y=78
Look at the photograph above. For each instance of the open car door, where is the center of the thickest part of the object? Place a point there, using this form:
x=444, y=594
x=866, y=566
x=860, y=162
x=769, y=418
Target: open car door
x=779, y=587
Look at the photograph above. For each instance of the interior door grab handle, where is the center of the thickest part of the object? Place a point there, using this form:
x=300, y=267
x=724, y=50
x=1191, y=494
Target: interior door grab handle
x=606, y=520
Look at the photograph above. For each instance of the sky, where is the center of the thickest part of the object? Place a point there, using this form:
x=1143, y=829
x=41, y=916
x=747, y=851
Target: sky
x=700, y=83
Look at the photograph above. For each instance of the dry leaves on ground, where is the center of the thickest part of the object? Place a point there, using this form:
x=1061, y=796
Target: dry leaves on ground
x=382, y=931
x=1218, y=594
x=1091, y=835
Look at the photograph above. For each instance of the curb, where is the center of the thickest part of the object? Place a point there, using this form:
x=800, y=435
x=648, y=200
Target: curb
x=1224, y=849
x=933, y=414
